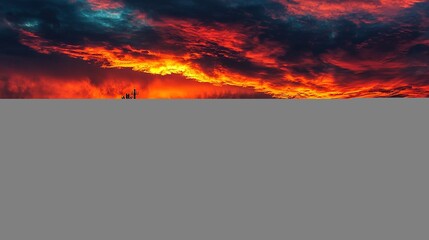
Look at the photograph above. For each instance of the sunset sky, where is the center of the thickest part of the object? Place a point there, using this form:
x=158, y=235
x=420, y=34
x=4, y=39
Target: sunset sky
x=214, y=48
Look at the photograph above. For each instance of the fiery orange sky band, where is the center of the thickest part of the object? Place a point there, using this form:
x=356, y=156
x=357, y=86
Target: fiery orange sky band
x=215, y=49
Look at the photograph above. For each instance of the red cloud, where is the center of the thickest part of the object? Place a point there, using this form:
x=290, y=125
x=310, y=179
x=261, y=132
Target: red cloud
x=167, y=66
x=180, y=70
x=335, y=8
x=105, y=4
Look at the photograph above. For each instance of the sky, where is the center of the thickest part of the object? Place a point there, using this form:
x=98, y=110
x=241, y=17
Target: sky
x=194, y=49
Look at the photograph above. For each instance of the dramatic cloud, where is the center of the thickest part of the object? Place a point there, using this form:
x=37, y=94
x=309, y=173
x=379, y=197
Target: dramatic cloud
x=214, y=48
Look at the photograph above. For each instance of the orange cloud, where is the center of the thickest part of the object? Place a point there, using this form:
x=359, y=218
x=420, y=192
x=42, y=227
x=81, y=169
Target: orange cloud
x=221, y=80
x=20, y=85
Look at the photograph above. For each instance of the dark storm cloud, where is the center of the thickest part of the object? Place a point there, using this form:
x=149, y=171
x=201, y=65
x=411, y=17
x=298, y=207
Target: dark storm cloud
x=73, y=22
x=277, y=44
x=207, y=11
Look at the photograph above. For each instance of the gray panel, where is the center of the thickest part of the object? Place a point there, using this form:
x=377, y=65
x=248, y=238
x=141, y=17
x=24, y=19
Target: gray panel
x=214, y=170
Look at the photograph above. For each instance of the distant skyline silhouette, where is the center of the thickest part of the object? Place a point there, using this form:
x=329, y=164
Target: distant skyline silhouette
x=133, y=95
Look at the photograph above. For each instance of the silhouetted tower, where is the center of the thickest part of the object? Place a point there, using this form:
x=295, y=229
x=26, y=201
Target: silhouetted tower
x=133, y=95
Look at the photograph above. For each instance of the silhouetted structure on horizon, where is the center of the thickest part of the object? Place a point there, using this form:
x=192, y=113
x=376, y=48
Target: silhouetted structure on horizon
x=133, y=95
